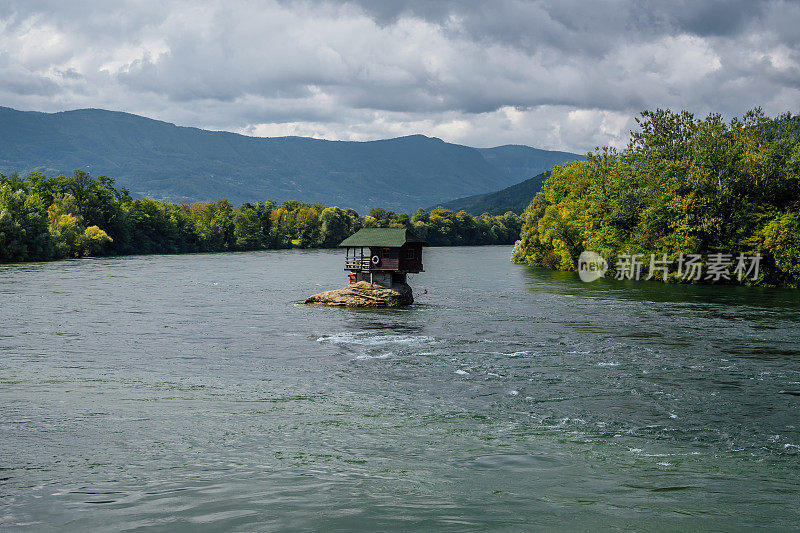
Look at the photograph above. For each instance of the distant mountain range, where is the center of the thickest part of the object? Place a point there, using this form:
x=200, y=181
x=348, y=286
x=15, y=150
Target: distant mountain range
x=515, y=198
x=179, y=164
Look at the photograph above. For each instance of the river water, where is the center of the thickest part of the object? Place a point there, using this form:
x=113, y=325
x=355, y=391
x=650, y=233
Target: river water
x=195, y=392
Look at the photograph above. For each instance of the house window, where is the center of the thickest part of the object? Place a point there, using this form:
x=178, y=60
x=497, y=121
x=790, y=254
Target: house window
x=410, y=253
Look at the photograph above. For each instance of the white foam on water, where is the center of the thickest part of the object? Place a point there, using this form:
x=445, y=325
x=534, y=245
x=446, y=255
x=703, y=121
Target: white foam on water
x=364, y=338
x=608, y=363
x=518, y=354
x=363, y=357
x=462, y=372
x=513, y=392
x=665, y=464
x=673, y=415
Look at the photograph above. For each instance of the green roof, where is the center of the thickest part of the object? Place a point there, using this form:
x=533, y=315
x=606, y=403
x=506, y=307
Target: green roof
x=387, y=237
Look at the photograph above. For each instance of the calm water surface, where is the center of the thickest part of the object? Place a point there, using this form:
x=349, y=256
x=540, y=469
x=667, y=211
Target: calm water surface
x=194, y=392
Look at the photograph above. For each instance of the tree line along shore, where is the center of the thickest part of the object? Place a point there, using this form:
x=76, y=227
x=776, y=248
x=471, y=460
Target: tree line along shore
x=682, y=187
x=46, y=218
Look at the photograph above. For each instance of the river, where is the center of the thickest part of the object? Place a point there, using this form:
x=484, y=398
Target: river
x=195, y=392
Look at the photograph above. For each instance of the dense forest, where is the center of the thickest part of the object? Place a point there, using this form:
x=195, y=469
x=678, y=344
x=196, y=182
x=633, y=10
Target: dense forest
x=682, y=186
x=52, y=217
x=515, y=198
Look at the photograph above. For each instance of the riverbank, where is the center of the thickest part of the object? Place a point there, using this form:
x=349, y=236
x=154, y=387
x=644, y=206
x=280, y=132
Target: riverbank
x=56, y=217
x=685, y=193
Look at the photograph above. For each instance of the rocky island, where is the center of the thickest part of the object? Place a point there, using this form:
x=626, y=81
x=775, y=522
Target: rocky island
x=378, y=260
x=364, y=294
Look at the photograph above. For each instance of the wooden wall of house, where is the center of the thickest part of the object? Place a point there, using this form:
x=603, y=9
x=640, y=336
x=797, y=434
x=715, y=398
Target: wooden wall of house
x=411, y=257
x=407, y=258
x=389, y=258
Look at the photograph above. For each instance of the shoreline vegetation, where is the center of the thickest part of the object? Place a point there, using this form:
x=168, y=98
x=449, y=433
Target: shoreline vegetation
x=681, y=186
x=45, y=218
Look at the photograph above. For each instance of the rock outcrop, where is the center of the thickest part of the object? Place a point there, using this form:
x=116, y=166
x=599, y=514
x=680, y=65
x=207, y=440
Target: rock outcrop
x=362, y=294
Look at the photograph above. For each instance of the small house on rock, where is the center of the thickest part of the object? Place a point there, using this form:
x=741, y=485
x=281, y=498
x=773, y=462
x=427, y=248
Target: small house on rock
x=382, y=255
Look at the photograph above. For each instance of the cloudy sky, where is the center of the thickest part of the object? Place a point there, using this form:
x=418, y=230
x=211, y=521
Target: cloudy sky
x=566, y=74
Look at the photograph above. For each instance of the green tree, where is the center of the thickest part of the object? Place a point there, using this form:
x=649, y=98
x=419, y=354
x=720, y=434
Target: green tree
x=682, y=185
x=24, y=233
x=94, y=240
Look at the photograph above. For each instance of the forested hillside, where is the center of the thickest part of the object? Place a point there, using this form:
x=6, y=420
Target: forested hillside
x=162, y=161
x=515, y=198
x=523, y=162
x=682, y=186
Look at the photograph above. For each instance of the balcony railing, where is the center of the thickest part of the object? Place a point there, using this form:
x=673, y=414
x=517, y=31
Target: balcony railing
x=365, y=264
x=357, y=263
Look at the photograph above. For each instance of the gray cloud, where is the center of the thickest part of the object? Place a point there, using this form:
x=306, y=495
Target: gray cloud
x=563, y=75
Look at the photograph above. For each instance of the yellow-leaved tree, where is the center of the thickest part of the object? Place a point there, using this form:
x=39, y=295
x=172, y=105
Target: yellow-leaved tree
x=70, y=237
